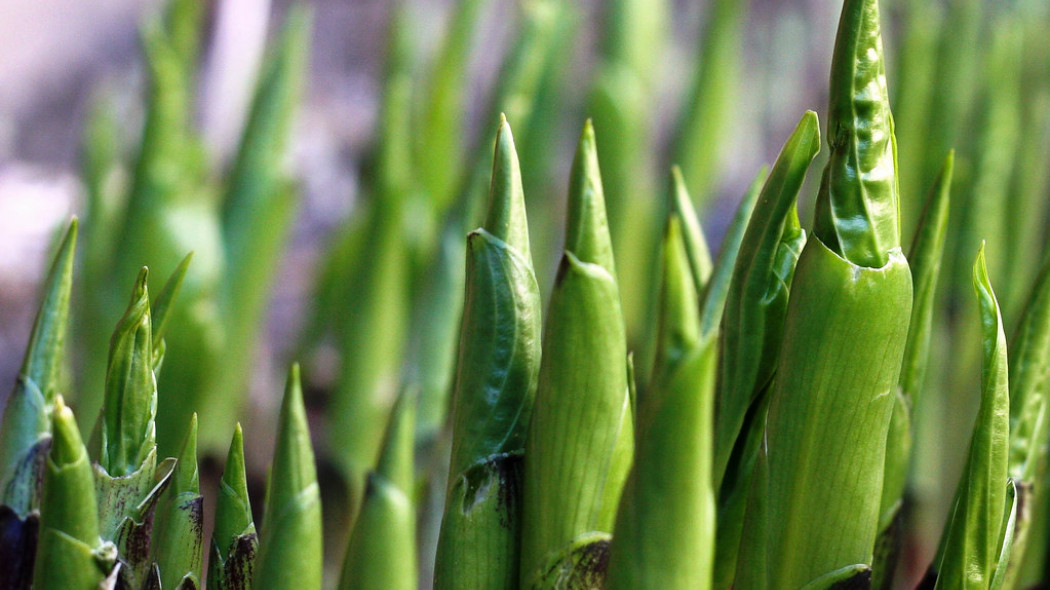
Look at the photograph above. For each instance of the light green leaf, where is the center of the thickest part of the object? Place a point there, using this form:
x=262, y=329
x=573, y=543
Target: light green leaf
x=290, y=552
x=381, y=554
x=573, y=482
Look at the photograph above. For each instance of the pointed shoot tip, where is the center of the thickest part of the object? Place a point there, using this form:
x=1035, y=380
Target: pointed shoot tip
x=66, y=446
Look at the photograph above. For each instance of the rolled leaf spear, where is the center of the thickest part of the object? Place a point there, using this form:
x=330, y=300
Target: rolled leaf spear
x=259, y=207
x=289, y=555
x=844, y=338
x=668, y=505
x=975, y=547
x=234, y=540
x=25, y=432
x=496, y=381
x=128, y=479
x=381, y=554
x=581, y=438
x=925, y=261
x=177, y=538
x=752, y=333
x=71, y=554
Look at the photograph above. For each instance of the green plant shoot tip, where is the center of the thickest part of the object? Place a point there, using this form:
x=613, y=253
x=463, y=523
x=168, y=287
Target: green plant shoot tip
x=395, y=458
x=587, y=228
x=681, y=204
x=69, y=554
x=186, y=477
x=290, y=551
x=66, y=447
x=130, y=405
x=857, y=213
x=506, y=214
x=233, y=513
x=46, y=349
x=162, y=303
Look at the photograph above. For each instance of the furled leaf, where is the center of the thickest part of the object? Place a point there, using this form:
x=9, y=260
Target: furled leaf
x=70, y=556
x=713, y=297
x=844, y=335
x=45, y=352
x=621, y=104
x=857, y=207
x=692, y=233
x=171, y=210
x=177, y=538
x=668, y=506
x=234, y=541
x=382, y=551
x=752, y=331
x=970, y=547
x=130, y=407
x=844, y=339
x=160, y=310
x=376, y=301
x=573, y=482
x=925, y=262
x=289, y=556
x=495, y=384
x=259, y=207
x=25, y=429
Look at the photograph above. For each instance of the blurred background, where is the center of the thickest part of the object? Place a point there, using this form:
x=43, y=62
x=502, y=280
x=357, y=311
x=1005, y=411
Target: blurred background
x=58, y=56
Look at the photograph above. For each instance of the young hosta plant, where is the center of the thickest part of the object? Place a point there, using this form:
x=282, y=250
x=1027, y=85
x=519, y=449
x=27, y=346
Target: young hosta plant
x=71, y=553
x=758, y=294
x=844, y=339
x=169, y=209
x=178, y=532
x=259, y=207
x=771, y=440
x=372, y=317
x=580, y=440
x=129, y=481
x=381, y=554
x=668, y=505
x=234, y=540
x=496, y=378
x=289, y=555
x=25, y=432
x=975, y=548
